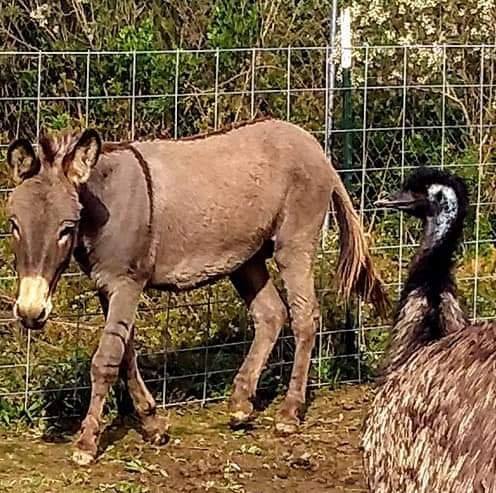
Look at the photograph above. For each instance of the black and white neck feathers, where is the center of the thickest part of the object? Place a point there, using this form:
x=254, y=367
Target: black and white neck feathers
x=431, y=270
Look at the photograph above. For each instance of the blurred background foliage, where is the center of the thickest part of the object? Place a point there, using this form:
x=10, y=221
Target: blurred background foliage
x=197, y=340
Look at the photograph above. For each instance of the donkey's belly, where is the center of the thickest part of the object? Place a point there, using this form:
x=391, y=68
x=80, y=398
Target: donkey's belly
x=196, y=270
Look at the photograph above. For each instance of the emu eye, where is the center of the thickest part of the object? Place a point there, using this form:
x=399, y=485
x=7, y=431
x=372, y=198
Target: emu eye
x=439, y=196
x=14, y=229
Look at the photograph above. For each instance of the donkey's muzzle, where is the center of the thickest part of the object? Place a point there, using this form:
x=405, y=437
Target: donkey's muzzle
x=33, y=305
x=32, y=323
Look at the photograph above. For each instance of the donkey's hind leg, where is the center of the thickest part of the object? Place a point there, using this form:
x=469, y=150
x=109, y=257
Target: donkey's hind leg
x=295, y=266
x=269, y=314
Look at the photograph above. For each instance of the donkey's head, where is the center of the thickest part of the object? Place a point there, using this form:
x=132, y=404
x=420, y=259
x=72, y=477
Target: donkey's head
x=44, y=212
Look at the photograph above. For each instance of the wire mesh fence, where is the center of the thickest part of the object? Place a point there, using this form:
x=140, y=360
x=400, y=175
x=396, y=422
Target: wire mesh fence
x=400, y=107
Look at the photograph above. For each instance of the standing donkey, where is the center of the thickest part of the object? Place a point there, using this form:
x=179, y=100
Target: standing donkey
x=175, y=215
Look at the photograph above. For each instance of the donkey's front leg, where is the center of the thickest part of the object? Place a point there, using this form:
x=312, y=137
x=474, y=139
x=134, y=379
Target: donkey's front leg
x=154, y=427
x=105, y=365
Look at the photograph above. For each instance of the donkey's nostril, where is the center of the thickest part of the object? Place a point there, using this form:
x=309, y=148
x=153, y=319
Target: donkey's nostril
x=42, y=315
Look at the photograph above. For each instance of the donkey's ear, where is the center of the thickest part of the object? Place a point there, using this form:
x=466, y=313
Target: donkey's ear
x=79, y=163
x=22, y=160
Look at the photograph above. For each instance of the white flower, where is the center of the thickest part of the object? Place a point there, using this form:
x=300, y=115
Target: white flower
x=40, y=14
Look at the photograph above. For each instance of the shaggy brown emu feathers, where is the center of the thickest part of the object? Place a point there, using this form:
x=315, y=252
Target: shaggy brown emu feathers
x=432, y=426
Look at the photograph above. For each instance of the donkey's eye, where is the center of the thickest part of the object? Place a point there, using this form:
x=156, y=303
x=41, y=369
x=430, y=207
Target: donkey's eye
x=14, y=229
x=66, y=232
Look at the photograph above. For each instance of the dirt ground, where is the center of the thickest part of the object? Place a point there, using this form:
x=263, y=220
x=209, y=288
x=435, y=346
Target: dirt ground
x=203, y=455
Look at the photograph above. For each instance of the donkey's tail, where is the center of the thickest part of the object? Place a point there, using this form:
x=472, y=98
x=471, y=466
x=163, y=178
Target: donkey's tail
x=356, y=271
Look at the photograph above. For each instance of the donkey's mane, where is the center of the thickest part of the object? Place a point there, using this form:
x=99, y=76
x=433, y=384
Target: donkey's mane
x=116, y=146
x=58, y=144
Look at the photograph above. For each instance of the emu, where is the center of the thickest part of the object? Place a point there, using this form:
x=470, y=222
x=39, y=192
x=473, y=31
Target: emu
x=176, y=215
x=432, y=425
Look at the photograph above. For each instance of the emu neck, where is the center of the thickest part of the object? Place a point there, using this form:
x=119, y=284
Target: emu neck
x=428, y=307
x=430, y=271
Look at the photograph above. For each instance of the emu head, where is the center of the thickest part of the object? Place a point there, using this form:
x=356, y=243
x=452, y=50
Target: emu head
x=437, y=197
x=44, y=213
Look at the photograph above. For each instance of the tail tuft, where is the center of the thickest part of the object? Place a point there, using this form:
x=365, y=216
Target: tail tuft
x=356, y=271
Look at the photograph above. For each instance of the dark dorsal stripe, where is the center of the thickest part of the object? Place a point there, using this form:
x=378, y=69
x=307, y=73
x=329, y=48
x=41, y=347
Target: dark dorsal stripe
x=165, y=136
x=148, y=179
x=224, y=130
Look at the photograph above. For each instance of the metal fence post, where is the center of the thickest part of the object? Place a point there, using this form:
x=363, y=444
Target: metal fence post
x=347, y=117
x=330, y=79
x=347, y=125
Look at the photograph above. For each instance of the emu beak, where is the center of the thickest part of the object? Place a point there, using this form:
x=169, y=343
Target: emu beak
x=400, y=200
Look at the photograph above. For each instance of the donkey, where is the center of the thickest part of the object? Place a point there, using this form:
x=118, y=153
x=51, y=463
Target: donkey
x=175, y=215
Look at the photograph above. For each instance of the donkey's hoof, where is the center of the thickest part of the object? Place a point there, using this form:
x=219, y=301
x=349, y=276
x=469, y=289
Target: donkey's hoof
x=239, y=419
x=159, y=438
x=240, y=412
x=286, y=428
x=156, y=430
x=82, y=458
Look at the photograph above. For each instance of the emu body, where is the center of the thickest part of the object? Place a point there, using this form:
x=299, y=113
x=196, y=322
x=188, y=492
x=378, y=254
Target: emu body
x=432, y=425
x=177, y=215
